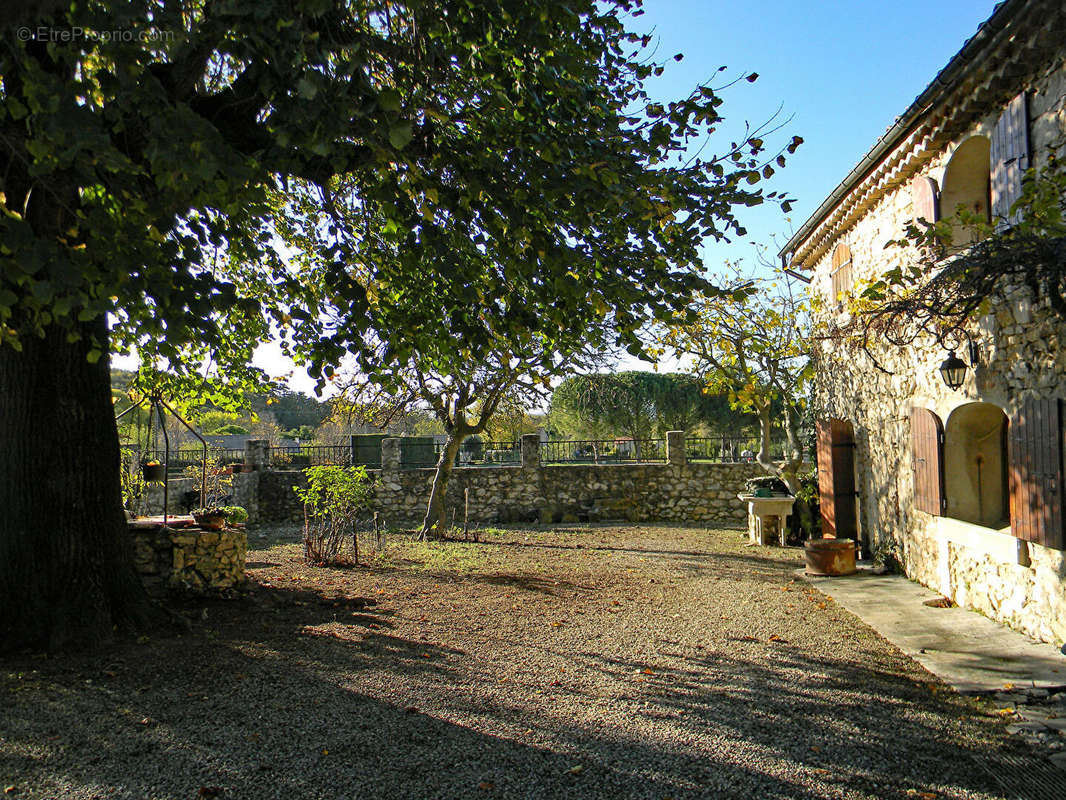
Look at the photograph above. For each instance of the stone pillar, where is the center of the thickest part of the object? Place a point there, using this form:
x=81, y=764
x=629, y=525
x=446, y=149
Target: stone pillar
x=390, y=454
x=246, y=494
x=257, y=454
x=675, y=448
x=530, y=450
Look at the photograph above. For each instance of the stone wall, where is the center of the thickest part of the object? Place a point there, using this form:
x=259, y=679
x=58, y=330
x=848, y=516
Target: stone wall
x=1022, y=350
x=189, y=559
x=701, y=493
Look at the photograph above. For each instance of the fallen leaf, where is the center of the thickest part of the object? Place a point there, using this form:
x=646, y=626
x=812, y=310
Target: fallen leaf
x=486, y=785
x=816, y=748
x=576, y=770
x=648, y=671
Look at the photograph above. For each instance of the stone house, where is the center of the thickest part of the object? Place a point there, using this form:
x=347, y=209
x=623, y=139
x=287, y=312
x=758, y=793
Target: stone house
x=963, y=486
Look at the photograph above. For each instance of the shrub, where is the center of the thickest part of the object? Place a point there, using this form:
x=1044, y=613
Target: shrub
x=234, y=514
x=332, y=500
x=807, y=511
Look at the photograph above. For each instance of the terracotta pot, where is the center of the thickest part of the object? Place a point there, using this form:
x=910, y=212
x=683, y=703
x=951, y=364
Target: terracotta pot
x=830, y=556
x=210, y=522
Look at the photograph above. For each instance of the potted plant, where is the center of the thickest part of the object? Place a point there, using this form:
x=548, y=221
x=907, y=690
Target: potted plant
x=766, y=486
x=210, y=519
x=153, y=471
x=235, y=515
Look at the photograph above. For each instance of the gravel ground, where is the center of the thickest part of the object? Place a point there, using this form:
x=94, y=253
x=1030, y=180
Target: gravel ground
x=588, y=661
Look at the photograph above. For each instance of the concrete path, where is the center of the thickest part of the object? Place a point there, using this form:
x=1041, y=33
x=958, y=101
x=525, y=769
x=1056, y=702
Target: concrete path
x=966, y=650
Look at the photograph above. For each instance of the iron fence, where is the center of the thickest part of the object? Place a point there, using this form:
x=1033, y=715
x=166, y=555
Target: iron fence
x=603, y=451
x=310, y=455
x=731, y=449
x=181, y=457
x=473, y=452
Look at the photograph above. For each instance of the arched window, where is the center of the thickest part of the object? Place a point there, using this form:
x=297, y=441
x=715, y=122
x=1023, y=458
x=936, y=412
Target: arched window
x=841, y=272
x=975, y=465
x=967, y=184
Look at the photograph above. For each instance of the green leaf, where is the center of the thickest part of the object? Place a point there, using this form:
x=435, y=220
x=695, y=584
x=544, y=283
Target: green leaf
x=389, y=100
x=400, y=135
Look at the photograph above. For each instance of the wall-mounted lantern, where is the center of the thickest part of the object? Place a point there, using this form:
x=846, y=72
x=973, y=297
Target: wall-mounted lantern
x=953, y=369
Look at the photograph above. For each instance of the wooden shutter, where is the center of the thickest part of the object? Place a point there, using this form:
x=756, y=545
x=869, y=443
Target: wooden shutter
x=836, y=478
x=1009, y=157
x=1036, y=471
x=841, y=273
x=925, y=197
x=927, y=445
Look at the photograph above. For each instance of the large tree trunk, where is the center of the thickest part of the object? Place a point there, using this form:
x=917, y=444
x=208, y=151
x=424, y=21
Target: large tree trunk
x=66, y=576
x=436, y=510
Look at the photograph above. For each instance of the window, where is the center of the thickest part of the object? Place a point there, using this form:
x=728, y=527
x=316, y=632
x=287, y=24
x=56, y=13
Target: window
x=989, y=469
x=841, y=272
x=967, y=185
x=975, y=465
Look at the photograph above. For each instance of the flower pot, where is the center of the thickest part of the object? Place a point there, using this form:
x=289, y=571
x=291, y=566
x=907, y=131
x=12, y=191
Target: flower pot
x=829, y=556
x=210, y=522
x=154, y=473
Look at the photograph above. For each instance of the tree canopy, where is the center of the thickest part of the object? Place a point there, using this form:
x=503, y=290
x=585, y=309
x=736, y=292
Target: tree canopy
x=634, y=403
x=365, y=177
x=753, y=344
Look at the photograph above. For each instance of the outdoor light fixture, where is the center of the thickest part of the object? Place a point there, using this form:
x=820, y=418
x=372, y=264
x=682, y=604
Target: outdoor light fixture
x=953, y=370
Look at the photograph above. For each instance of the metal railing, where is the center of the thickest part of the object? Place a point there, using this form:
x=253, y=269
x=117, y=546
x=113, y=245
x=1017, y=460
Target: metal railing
x=181, y=458
x=310, y=455
x=603, y=451
x=731, y=449
x=472, y=453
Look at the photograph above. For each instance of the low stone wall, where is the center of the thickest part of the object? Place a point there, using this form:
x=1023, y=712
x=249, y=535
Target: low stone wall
x=176, y=487
x=189, y=560
x=701, y=493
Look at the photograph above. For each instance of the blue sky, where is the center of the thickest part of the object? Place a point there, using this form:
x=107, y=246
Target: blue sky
x=844, y=70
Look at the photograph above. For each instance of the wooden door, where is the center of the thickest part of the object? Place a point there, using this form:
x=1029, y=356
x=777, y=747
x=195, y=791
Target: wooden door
x=836, y=478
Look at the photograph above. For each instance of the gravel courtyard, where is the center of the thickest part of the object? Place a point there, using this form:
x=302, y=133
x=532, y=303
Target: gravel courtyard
x=584, y=662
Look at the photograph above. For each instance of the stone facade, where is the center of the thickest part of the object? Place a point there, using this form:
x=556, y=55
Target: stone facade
x=697, y=492
x=189, y=559
x=1020, y=343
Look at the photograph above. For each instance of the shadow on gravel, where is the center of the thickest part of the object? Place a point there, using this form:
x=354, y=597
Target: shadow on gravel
x=270, y=697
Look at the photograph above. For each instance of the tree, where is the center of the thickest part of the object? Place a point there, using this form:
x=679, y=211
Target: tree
x=464, y=403
x=752, y=343
x=634, y=403
x=613, y=403
x=511, y=419
x=511, y=175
